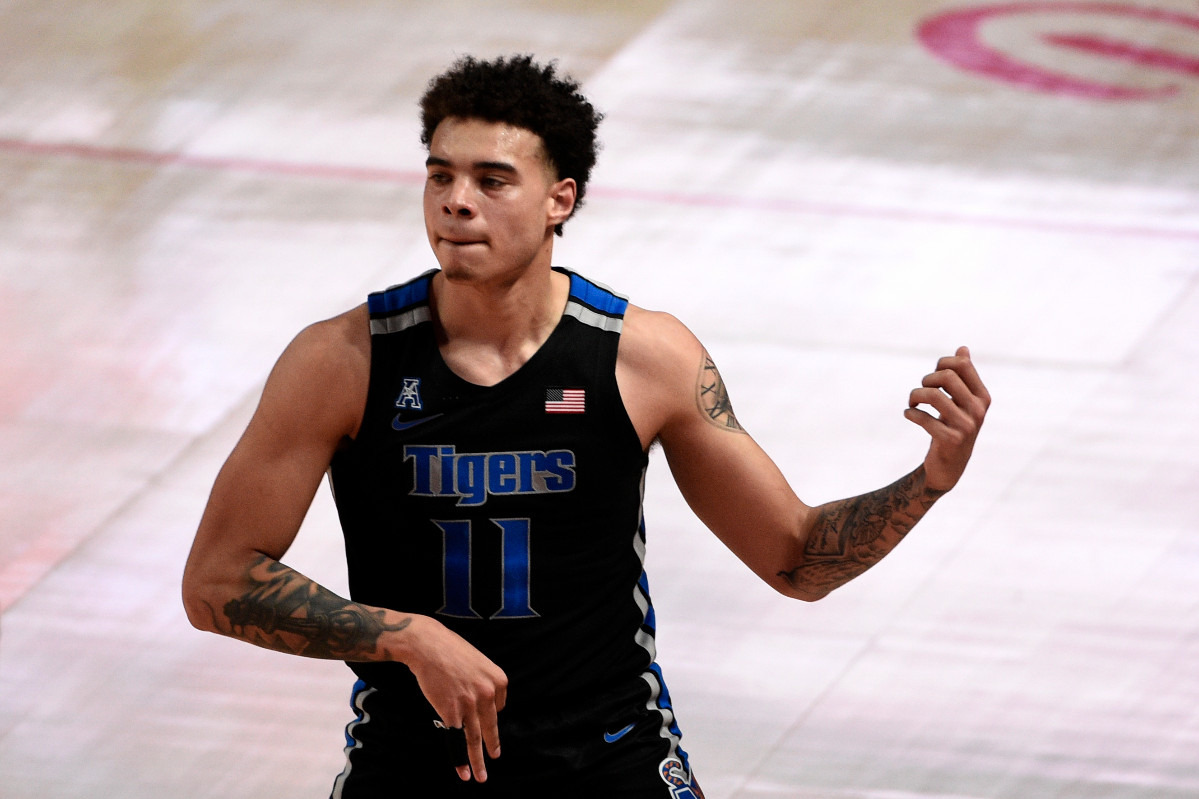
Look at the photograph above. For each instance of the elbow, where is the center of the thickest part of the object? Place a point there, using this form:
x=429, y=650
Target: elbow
x=199, y=610
x=803, y=594
x=789, y=585
x=198, y=613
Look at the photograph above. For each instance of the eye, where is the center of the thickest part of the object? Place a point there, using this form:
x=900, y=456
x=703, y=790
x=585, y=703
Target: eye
x=492, y=183
x=439, y=178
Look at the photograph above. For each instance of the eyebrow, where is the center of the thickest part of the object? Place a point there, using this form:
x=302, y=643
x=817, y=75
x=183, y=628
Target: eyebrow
x=498, y=166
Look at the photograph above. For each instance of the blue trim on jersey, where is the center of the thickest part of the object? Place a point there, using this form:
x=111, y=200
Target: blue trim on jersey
x=665, y=705
x=595, y=297
x=355, y=692
x=651, y=621
x=398, y=298
x=357, y=702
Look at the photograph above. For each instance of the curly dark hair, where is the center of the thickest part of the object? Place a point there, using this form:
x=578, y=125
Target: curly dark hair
x=518, y=91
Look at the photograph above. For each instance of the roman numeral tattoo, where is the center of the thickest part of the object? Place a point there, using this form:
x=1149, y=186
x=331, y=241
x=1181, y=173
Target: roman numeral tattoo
x=851, y=535
x=288, y=612
x=713, y=397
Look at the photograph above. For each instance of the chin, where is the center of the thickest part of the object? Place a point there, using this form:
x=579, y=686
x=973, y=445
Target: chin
x=458, y=269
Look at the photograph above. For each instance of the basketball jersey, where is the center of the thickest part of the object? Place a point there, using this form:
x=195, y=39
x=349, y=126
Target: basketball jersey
x=510, y=513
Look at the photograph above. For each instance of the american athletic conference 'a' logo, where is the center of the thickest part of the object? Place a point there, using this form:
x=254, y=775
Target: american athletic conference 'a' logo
x=410, y=394
x=959, y=37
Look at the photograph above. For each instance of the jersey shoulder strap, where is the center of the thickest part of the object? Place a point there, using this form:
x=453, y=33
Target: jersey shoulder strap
x=595, y=304
x=401, y=306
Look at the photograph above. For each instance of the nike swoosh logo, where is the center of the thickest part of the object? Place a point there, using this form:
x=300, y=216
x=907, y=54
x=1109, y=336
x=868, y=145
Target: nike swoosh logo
x=396, y=424
x=613, y=737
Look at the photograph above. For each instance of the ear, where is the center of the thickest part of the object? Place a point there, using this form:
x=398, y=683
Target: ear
x=561, y=201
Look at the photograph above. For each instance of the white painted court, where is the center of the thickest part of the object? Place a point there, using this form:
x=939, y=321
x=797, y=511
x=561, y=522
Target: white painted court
x=832, y=195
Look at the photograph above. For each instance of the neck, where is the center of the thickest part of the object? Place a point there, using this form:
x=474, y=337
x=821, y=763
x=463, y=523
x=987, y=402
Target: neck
x=486, y=331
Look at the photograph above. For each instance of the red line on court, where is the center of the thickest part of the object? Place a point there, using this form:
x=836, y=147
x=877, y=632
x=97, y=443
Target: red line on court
x=408, y=177
x=217, y=163
x=1145, y=56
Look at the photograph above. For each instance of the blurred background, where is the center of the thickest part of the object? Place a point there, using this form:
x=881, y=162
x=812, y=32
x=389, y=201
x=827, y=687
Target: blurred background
x=831, y=195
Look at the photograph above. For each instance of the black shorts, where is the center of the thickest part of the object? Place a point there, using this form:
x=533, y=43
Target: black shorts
x=617, y=747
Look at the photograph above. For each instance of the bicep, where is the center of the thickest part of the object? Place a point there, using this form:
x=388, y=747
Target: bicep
x=262, y=492
x=311, y=402
x=730, y=483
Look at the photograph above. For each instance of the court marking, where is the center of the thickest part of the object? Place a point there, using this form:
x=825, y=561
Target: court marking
x=363, y=174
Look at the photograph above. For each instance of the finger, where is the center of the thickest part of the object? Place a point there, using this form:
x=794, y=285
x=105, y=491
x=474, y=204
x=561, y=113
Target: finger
x=930, y=423
x=942, y=428
x=974, y=407
x=941, y=433
x=474, y=751
x=489, y=719
x=950, y=382
x=948, y=410
x=963, y=365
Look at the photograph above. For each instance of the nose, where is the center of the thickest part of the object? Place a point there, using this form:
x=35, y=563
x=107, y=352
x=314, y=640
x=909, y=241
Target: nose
x=457, y=201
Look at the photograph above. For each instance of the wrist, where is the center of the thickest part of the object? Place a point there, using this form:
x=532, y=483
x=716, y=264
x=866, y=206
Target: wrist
x=932, y=487
x=405, y=631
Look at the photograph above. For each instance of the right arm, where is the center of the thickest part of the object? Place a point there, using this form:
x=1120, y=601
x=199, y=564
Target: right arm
x=234, y=583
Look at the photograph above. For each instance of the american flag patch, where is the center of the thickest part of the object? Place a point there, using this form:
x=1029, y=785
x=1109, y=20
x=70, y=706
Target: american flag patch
x=565, y=400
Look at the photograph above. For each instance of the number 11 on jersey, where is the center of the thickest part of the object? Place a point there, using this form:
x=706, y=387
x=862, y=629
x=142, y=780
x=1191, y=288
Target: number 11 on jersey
x=457, y=564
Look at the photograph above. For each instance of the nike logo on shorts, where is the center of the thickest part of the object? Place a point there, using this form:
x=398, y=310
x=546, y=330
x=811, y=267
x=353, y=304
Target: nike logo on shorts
x=613, y=737
x=396, y=424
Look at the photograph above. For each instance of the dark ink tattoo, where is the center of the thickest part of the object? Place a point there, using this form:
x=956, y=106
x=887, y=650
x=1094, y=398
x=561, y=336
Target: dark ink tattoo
x=713, y=397
x=852, y=535
x=288, y=612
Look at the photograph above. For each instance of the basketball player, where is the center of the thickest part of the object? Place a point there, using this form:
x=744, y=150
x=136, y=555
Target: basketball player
x=486, y=428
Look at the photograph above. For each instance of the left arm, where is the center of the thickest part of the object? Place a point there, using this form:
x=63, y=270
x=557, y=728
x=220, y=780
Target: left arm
x=675, y=393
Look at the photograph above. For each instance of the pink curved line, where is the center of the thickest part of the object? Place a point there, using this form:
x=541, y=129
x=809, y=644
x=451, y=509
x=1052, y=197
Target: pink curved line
x=954, y=37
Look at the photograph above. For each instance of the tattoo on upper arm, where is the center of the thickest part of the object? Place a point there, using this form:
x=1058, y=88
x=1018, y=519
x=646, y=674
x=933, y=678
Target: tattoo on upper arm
x=713, y=397
x=288, y=612
x=852, y=535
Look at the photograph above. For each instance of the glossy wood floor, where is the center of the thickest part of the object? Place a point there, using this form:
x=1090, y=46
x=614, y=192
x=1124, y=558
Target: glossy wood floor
x=830, y=194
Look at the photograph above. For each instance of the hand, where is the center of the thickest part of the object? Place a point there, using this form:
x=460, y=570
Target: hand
x=961, y=401
x=465, y=688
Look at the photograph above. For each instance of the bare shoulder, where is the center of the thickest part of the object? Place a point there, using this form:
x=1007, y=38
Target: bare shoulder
x=656, y=369
x=656, y=340
x=326, y=368
x=338, y=345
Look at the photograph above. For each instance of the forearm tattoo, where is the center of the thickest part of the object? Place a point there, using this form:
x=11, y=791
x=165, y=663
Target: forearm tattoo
x=288, y=612
x=713, y=397
x=852, y=535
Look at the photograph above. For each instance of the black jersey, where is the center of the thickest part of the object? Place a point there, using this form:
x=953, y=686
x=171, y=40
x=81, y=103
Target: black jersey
x=511, y=513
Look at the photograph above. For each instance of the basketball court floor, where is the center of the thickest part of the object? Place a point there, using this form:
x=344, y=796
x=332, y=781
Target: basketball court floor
x=831, y=195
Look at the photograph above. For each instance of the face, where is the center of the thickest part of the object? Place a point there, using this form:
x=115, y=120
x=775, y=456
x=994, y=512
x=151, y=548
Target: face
x=491, y=200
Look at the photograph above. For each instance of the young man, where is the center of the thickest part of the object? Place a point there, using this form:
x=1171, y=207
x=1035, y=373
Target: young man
x=486, y=429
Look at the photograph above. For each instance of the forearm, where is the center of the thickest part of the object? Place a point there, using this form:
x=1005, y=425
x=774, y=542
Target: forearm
x=273, y=606
x=845, y=538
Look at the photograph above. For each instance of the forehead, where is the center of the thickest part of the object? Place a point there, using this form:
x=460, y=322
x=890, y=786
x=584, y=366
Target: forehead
x=460, y=140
